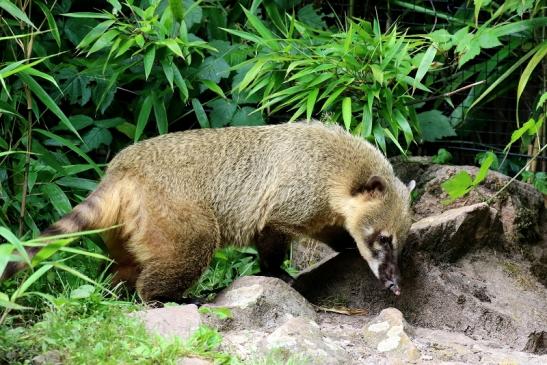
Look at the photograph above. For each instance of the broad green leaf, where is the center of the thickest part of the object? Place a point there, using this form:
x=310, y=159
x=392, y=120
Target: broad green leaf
x=15, y=12
x=516, y=135
x=96, y=137
x=434, y=125
x=346, y=112
x=442, y=157
x=404, y=126
x=366, y=121
x=222, y=112
x=149, y=60
x=310, y=102
x=82, y=292
x=214, y=88
x=57, y=197
x=247, y=116
x=45, y=98
x=177, y=9
x=458, y=185
x=487, y=39
x=200, y=114
x=144, y=115
x=425, y=63
x=377, y=73
x=161, y=115
x=485, y=165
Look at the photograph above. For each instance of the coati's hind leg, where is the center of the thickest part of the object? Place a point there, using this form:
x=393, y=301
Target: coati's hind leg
x=178, y=247
x=272, y=247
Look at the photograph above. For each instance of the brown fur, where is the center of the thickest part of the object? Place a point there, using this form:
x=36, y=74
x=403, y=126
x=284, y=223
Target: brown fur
x=179, y=196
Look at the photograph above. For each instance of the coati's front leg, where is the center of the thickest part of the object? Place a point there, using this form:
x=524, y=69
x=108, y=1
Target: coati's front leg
x=272, y=247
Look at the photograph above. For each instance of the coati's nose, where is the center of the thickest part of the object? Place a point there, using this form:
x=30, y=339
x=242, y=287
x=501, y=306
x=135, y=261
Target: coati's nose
x=393, y=287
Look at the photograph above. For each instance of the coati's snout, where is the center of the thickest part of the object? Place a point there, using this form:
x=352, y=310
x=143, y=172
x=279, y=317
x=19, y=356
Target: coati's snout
x=381, y=230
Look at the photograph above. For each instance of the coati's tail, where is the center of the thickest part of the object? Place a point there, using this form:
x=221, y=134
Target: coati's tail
x=99, y=210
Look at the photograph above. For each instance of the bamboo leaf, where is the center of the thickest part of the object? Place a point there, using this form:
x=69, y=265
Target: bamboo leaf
x=214, y=88
x=44, y=97
x=425, y=63
x=72, y=146
x=261, y=29
x=30, y=280
x=161, y=115
x=15, y=12
x=11, y=238
x=346, y=112
x=200, y=114
x=310, y=102
x=540, y=54
x=50, y=22
x=149, y=60
x=144, y=115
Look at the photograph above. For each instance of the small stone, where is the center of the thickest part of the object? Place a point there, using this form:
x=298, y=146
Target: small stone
x=53, y=357
x=193, y=361
x=181, y=321
x=303, y=336
x=387, y=333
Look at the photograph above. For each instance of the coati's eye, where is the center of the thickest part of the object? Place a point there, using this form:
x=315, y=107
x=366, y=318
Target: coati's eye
x=385, y=241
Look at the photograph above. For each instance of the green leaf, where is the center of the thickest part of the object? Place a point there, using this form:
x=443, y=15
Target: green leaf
x=50, y=22
x=30, y=280
x=366, y=121
x=442, y=157
x=161, y=115
x=257, y=24
x=105, y=40
x=534, y=61
x=379, y=137
x=177, y=9
x=11, y=238
x=57, y=197
x=425, y=63
x=310, y=102
x=88, y=15
x=95, y=33
x=219, y=312
x=49, y=250
x=82, y=292
x=247, y=116
x=6, y=303
x=346, y=112
x=181, y=84
x=144, y=115
x=222, y=112
x=458, y=185
x=72, y=146
x=77, y=183
x=377, y=73
x=485, y=165
x=487, y=39
x=45, y=98
x=172, y=45
x=251, y=74
x=200, y=114
x=214, y=88
x=149, y=60
x=15, y=12
x=96, y=137
x=404, y=126
x=435, y=126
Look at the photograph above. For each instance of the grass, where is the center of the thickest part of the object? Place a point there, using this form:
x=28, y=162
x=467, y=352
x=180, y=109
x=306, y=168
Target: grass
x=77, y=323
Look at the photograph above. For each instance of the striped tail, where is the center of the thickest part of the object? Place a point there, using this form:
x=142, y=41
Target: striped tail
x=99, y=210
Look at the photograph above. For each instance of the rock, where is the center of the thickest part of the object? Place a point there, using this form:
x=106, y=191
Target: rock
x=451, y=234
x=53, y=357
x=258, y=302
x=180, y=321
x=303, y=336
x=193, y=361
x=387, y=333
x=537, y=343
x=519, y=206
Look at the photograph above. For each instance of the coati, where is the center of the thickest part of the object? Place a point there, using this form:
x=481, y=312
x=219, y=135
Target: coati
x=178, y=197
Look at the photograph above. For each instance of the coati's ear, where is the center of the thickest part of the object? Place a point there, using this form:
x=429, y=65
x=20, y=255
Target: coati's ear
x=375, y=184
x=411, y=186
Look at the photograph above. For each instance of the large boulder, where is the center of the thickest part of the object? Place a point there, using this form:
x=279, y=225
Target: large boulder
x=453, y=233
x=519, y=206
